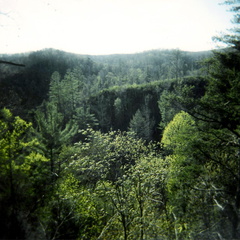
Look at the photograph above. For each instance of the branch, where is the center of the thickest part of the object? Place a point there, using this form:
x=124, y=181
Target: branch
x=218, y=162
x=11, y=63
x=106, y=227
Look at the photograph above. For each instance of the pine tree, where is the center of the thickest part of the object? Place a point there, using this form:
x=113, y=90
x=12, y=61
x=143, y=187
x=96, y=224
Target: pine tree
x=54, y=133
x=142, y=123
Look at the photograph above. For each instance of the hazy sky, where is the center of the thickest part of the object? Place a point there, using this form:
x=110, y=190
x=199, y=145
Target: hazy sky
x=110, y=26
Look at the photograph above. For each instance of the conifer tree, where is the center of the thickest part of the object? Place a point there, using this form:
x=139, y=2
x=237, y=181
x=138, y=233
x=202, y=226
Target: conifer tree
x=142, y=123
x=54, y=133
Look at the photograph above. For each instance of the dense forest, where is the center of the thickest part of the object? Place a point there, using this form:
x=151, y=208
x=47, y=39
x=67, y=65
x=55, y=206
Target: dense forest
x=114, y=92
x=131, y=146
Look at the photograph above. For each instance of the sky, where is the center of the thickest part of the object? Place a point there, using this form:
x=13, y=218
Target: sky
x=110, y=26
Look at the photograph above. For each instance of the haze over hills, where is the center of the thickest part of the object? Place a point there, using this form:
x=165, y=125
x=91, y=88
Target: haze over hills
x=57, y=60
x=25, y=88
x=55, y=54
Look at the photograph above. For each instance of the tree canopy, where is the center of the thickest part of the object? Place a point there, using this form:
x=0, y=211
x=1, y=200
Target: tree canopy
x=141, y=146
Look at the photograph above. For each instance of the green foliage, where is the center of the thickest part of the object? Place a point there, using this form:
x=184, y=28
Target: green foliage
x=202, y=145
x=28, y=87
x=108, y=155
x=179, y=137
x=69, y=96
x=178, y=132
x=137, y=124
x=142, y=124
x=17, y=143
x=22, y=172
x=58, y=183
x=116, y=107
x=54, y=133
x=202, y=166
x=231, y=38
x=71, y=212
x=182, y=95
x=127, y=178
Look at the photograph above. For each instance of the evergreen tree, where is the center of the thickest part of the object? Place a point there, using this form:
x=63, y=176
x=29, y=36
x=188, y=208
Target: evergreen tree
x=142, y=123
x=54, y=132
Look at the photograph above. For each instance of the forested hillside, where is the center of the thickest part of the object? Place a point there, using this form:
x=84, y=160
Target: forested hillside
x=138, y=146
x=113, y=88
